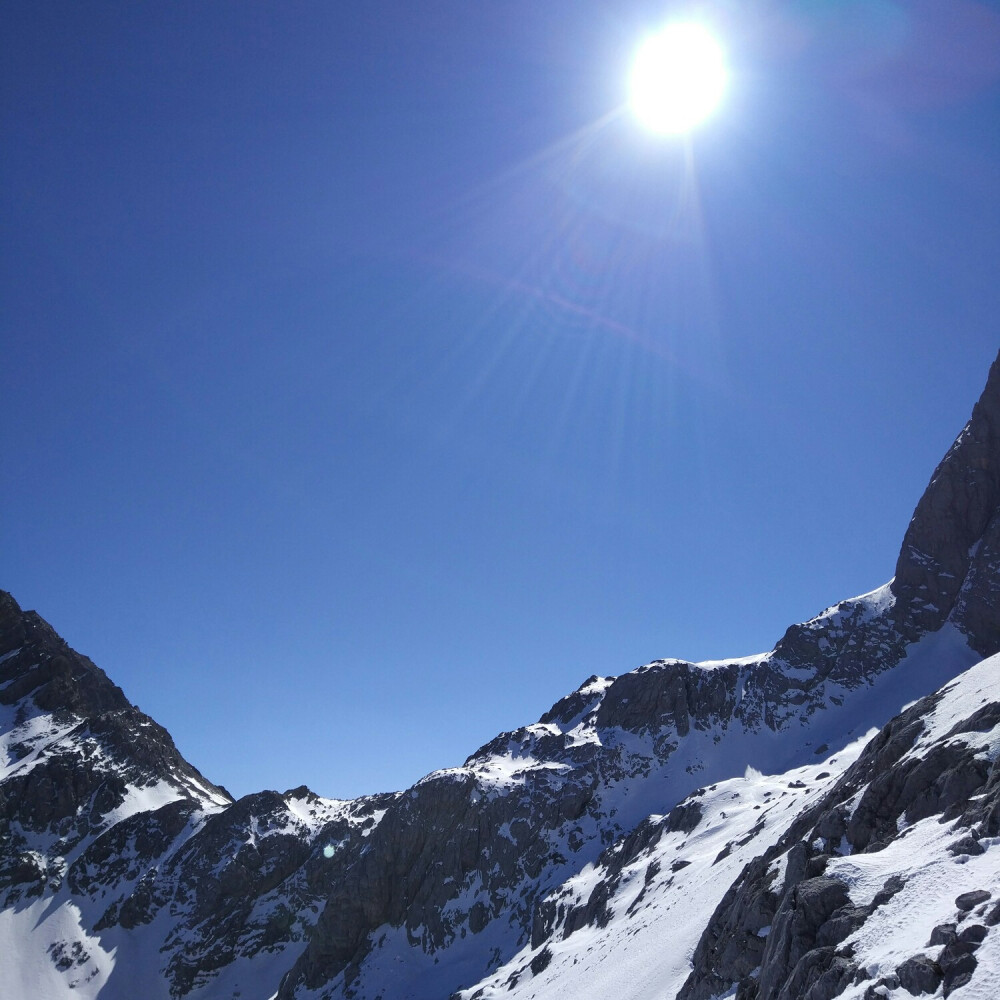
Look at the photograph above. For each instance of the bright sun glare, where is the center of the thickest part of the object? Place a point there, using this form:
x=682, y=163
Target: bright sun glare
x=678, y=78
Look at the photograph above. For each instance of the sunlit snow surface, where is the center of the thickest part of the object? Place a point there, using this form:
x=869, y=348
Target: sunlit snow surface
x=645, y=951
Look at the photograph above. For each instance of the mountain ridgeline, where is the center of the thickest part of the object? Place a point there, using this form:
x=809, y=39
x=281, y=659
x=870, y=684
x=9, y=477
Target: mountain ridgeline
x=729, y=829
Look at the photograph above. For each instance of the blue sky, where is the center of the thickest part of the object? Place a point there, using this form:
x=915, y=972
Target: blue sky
x=371, y=378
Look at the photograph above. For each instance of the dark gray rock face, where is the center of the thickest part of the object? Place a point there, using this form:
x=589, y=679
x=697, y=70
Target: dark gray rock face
x=967, y=845
x=957, y=962
x=947, y=566
x=42, y=665
x=804, y=910
x=970, y=900
x=437, y=842
x=669, y=694
x=942, y=934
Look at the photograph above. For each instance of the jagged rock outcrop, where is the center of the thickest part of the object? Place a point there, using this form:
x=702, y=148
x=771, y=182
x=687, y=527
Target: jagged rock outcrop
x=76, y=751
x=38, y=662
x=949, y=561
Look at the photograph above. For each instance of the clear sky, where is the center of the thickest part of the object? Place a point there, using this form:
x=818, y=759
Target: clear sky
x=371, y=376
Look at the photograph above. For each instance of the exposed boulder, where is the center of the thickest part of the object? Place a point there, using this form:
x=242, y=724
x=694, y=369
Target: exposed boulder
x=970, y=900
x=919, y=975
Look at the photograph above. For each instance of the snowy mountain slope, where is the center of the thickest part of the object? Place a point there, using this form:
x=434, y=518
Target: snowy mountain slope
x=669, y=875
x=607, y=926
x=718, y=829
x=883, y=884
x=121, y=866
x=534, y=809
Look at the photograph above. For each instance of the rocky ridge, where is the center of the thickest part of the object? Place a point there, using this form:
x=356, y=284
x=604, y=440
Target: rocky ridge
x=99, y=810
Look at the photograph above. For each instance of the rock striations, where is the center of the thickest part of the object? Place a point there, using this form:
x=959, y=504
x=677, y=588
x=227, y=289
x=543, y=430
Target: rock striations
x=722, y=829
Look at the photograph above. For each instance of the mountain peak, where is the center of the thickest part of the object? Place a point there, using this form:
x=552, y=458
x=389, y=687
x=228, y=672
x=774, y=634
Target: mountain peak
x=35, y=660
x=64, y=710
x=951, y=549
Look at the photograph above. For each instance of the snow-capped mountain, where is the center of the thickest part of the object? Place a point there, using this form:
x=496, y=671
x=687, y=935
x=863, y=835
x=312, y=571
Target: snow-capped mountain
x=821, y=820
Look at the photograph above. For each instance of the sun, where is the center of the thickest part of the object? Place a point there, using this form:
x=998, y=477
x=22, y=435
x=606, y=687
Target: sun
x=678, y=78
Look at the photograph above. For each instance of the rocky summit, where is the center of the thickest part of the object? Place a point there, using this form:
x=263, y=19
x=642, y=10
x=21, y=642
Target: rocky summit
x=819, y=821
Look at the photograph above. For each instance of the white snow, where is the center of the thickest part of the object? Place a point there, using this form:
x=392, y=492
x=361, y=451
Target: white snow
x=644, y=952
x=38, y=935
x=901, y=928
